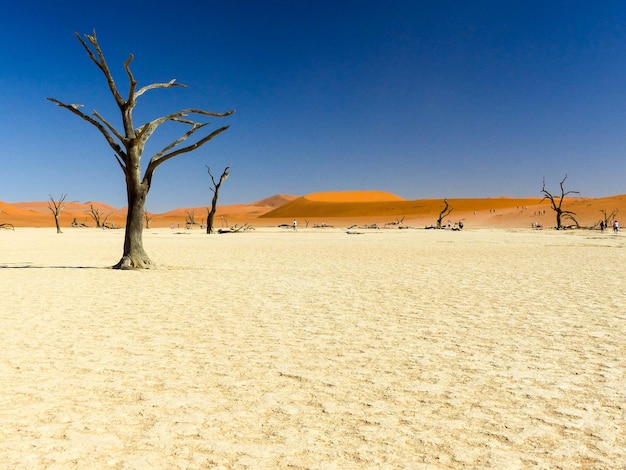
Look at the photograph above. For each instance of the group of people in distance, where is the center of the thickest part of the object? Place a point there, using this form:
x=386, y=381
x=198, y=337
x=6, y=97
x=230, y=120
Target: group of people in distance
x=604, y=225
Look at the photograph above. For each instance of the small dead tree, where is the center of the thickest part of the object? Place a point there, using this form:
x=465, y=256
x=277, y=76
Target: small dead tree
x=395, y=222
x=56, y=207
x=190, y=219
x=104, y=222
x=215, y=189
x=128, y=144
x=95, y=214
x=444, y=213
x=556, y=203
x=148, y=217
x=608, y=219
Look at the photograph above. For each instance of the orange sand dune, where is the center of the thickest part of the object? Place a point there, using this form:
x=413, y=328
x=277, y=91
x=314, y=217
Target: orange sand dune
x=38, y=214
x=227, y=215
x=336, y=208
x=374, y=205
x=501, y=212
x=353, y=196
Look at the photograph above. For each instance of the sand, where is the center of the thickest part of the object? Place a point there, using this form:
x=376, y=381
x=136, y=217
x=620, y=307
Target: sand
x=315, y=349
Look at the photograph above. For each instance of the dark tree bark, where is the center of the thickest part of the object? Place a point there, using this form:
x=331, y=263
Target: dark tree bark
x=215, y=189
x=128, y=146
x=56, y=207
x=557, y=203
x=444, y=213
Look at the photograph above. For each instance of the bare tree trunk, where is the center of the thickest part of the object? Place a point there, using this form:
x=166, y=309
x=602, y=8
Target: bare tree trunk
x=209, y=220
x=134, y=255
x=56, y=207
x=215, y=189
x=444, y=213
x=128, y=144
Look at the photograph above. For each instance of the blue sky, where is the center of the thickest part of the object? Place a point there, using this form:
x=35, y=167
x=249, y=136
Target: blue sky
x=422, y=99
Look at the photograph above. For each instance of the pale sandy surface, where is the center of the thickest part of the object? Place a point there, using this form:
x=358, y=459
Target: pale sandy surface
x=317, y=349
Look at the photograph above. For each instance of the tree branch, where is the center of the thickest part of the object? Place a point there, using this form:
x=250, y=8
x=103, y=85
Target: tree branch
x=170, y=84
x=74, y=109
x=155, y=162
x=57, y=206
x=121, y=163
x=131, y=80
x=182, y=138
x=110, y=127
x=146, y=130
x=101, y=63
x=224, y=176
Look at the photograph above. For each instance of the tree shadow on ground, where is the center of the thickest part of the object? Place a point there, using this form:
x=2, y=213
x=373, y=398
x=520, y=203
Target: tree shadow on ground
x=36, y=266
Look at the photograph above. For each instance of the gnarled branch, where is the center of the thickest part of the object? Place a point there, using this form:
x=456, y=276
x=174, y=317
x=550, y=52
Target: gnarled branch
x=103, y=130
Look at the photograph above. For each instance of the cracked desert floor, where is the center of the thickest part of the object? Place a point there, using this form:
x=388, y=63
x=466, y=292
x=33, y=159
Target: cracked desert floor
x=425, y=349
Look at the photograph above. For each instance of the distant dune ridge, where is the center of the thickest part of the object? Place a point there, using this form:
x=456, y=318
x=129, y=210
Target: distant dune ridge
x=341, y=207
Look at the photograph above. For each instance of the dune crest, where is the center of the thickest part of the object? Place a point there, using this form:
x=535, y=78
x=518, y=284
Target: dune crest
x=353, y=196
x=274, y=201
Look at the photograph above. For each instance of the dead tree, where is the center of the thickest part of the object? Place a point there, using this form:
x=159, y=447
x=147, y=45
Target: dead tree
x=128, y=145
x=396, y=222
x=444, y=213
x=147, y=217
x=608, y=219
x=95, y=214
x=236, y=229
x=104, y=222
x=556, y=204
x=190, y=219
x=56, y=207
x=215, y=189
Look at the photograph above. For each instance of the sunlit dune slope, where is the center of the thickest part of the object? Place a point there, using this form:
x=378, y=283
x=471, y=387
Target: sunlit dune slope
x=371, y=203
x=341, y=204
x=352, y=196
x=38, y=214
x=225, y=215
x=274, y=201
x=502, y=212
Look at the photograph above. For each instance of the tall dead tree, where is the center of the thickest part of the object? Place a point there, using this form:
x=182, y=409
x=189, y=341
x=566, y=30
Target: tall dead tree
x=444, y=213
x=557, y=201
x=56, y=207
x=215, y=189
x=128, y=145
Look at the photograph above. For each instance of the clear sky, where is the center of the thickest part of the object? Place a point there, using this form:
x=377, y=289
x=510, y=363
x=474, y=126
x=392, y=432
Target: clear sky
x=424, y=99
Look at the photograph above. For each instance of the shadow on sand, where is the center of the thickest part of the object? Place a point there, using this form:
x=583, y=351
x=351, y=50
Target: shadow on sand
x=35, y=266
